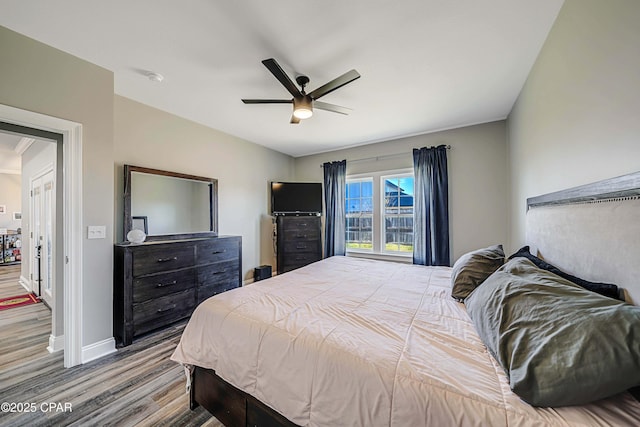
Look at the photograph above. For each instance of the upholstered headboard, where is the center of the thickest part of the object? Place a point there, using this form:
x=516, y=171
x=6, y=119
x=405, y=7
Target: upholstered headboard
x=591, y=231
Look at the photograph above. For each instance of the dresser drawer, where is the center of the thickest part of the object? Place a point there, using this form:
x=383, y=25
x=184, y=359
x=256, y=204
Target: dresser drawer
x=218, y=272
x=215, y=250
x=295, y=260
x=161, y=311
x=300, y=223
x=216, y=278
x=154, y=259
x=305, y=234
x=157, y=285
x=301, y=245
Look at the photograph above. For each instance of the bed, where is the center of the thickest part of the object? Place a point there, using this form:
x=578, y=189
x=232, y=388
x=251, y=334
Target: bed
x=348, y=341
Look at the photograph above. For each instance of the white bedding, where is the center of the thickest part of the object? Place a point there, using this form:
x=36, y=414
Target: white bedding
x=354, y=342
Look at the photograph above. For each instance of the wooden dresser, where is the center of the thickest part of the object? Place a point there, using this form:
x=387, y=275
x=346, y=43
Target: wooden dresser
x=299, y=241
x=159, y=282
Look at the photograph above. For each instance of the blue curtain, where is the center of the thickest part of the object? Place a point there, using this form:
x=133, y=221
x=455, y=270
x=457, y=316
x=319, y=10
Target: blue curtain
x=335, y=181
x=431, y=206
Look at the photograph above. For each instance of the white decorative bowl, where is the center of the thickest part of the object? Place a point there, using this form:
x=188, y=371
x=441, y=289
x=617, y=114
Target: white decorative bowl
x=136, y=236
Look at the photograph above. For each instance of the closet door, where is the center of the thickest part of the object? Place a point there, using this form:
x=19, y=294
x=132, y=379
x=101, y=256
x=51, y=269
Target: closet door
x=42, y=236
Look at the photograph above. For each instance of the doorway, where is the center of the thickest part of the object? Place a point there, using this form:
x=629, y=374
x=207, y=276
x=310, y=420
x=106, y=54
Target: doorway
x=67, y=252
x=41, y=266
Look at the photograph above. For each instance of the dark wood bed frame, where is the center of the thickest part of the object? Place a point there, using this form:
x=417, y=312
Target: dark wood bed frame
x=233, y=407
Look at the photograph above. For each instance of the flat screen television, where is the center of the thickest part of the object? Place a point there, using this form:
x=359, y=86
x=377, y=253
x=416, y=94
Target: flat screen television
x=290, y=198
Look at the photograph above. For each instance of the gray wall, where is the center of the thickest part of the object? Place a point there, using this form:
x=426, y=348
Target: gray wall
x=577, y=118
x=38, y=78
x=145, y=136
x=478, y=178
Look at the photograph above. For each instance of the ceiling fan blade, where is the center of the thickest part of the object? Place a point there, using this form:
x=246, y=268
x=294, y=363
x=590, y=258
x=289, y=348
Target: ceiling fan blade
x=267, y=101
x=294, y=120
x=331, y=107
x=334, y=84
x=282, y=77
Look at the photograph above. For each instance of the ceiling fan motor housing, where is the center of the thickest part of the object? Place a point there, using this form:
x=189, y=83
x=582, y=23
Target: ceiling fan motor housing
x=302, y=81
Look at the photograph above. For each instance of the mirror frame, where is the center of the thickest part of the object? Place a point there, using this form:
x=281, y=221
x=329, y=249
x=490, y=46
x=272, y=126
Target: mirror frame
x=213, y=203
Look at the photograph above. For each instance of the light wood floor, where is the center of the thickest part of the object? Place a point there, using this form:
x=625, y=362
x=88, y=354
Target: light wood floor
x=137, y=386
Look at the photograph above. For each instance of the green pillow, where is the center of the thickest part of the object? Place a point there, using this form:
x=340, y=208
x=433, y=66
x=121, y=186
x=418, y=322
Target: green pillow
x=560, y=344
x=472, y=268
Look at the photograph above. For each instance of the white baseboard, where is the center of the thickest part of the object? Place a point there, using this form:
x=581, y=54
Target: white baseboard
x=97, y=350
x=55, y=343
x=25, y=283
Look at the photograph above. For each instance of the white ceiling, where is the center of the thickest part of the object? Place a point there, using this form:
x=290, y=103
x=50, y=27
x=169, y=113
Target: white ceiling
x=426, y=65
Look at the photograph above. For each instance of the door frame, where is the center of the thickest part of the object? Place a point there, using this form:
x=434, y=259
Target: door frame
x=72, y=219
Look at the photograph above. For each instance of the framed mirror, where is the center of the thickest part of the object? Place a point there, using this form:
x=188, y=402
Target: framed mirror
x=169, y=205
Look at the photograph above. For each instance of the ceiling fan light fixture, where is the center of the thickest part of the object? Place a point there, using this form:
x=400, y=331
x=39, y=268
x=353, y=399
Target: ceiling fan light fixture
x=303, y=107
x=303, y=113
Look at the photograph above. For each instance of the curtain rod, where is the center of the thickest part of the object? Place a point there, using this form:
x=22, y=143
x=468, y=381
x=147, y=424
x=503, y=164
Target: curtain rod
x=386, y=156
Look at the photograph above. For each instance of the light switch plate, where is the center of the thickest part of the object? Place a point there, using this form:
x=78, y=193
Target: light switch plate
x=96, y=232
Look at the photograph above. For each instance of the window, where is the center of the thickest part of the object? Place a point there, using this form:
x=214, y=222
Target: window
x=397, y=216
x=379, y=213
x=359, y=213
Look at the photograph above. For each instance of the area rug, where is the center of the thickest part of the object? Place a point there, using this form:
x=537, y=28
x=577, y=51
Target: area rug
x=19, y=301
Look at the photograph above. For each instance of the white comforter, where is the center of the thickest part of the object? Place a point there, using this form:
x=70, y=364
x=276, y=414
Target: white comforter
x=353, y=342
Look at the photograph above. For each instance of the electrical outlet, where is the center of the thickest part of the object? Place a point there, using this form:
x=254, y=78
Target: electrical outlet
x=96, y=232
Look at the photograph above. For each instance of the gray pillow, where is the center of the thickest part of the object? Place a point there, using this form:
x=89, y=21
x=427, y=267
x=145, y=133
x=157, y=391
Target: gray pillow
x=560, y=344
x=472, y=268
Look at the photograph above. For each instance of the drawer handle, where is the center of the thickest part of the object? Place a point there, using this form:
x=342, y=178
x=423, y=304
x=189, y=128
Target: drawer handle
x=167, y=259
x=162, y=310
x=301, y=258
x=301, y=236
x=218, y=252
x=220, y=272
x=162, y=285
x=301, y=247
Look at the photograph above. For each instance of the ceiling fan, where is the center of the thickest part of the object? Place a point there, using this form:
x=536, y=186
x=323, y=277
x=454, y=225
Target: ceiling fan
x=303, y=103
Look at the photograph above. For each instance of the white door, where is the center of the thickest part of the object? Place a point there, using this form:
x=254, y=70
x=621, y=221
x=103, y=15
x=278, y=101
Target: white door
x=42, y=237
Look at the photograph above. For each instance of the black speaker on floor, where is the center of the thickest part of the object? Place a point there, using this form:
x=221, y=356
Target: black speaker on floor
x=262, y=272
